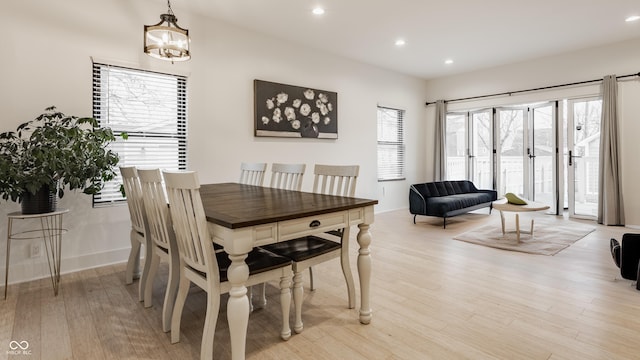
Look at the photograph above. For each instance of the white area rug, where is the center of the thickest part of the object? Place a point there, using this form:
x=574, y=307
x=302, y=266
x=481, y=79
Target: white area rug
x=549, y=237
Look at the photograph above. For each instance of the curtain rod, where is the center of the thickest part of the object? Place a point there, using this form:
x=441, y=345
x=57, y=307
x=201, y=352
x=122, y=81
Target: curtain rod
x=535, y=89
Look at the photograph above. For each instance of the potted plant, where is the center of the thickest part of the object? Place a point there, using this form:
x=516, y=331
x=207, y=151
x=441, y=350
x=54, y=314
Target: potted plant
x=50, y=153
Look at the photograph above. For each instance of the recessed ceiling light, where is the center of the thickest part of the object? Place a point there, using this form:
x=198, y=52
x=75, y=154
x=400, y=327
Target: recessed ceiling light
x=318, y=11
x=400, y=42
x=632, y=18
x=448, y=61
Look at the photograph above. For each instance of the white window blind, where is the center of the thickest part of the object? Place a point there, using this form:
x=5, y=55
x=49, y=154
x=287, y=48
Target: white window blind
x=152, y=109
x=390, y=144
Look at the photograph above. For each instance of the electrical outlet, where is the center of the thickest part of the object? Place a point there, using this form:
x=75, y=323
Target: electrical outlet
x=35, y=250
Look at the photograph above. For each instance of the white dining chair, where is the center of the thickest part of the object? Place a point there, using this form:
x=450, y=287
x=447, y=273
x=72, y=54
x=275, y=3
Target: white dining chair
x=207, y=268
x=139, y=228
x=312, y=250
x=162, y=241
x=252, y=173
x=287, y=176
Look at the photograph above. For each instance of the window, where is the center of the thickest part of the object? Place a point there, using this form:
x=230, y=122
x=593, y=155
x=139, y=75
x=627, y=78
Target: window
x=390, y=144
x=152, y=109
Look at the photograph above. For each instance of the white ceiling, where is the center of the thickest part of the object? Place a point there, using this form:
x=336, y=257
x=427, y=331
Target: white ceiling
x=476, y=34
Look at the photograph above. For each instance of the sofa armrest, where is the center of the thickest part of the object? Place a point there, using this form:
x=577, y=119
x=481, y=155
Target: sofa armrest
x=493, y=193
x=417, y=202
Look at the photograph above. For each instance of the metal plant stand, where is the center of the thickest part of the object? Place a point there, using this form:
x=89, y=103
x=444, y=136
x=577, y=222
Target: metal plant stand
x=50, y=232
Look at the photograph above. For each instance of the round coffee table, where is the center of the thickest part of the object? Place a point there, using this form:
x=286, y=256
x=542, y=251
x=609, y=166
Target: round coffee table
x=502, y=205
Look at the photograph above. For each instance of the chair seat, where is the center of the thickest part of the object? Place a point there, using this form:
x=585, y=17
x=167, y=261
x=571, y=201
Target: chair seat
x=258, y=260
x=337, y=233
x=302, y=248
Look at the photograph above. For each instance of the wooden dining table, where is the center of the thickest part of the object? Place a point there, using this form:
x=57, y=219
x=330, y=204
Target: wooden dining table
x=241, y=217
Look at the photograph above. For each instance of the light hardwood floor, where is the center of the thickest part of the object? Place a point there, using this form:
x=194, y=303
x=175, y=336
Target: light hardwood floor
x=432, y=298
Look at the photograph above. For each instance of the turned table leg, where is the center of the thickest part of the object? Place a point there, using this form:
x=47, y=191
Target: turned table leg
x=364, y=272
x=238, y=305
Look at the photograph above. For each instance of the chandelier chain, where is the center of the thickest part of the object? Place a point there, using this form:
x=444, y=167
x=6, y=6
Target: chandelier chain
x=170, y=11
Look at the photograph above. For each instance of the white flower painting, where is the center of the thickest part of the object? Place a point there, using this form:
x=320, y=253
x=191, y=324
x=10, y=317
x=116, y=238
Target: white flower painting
x=309, y=94
x=277, y=115
x=282, y=98
x=289, y=113
x=305, y=109
x=293, y=111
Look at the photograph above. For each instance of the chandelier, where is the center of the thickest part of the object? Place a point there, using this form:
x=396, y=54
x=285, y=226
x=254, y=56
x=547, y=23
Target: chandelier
x=166, y=40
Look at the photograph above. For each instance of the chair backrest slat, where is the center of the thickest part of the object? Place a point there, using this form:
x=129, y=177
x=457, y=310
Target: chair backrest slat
x=189, y=222
x=287, y=176
x=252, y=173
x=155, y=204
x=335, y=179
x=133, y=192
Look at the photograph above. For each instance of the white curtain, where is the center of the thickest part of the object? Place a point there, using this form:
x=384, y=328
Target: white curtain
x=439, y=155
x=610, y=206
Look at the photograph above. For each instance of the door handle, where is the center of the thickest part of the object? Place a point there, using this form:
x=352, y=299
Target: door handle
x=571, y=156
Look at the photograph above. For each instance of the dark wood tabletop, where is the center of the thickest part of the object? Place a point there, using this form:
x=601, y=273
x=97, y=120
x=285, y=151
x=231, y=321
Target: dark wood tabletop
x=235, y=205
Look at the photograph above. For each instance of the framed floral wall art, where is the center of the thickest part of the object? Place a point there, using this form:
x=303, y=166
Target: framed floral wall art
x=293, y=111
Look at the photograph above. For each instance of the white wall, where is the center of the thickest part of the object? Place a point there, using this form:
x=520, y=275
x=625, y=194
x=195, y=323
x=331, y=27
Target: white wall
x=47, y=61
x=620, y=59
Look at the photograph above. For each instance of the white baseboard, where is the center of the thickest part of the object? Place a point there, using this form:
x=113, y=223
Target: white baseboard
x=35, y=269
x=389, y=210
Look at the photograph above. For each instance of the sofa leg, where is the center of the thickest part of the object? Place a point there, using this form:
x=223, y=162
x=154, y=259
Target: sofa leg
x=444, y=223
x=414, y=219
x=490, y=208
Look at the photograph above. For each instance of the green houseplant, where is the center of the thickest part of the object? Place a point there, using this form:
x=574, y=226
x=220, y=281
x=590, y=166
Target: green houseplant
x=52, y=152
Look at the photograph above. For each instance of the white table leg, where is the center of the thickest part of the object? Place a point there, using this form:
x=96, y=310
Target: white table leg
x=238, y=305
x=298, y=292
x=518, y=227
x=502, y=220
x=364, y=272
x=285, y=303
x=346, y=268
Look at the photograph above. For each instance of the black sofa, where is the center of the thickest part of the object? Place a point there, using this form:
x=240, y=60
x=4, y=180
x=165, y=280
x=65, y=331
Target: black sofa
x=448, y=198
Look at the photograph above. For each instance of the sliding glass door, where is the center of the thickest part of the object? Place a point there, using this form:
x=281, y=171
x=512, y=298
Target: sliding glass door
x=583, y=156
x=523, y=162
x=525, y=149
x=510, y=146
x=541, y=153
x=481, y=149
